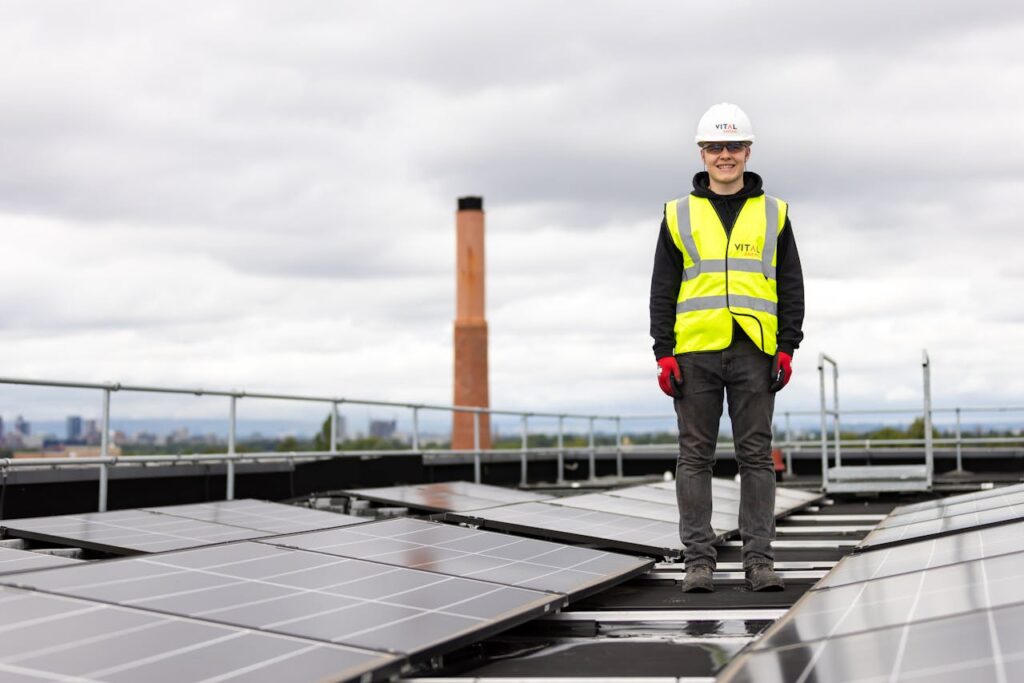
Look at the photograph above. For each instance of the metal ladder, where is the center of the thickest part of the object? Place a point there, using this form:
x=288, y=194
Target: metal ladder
x=871, y=478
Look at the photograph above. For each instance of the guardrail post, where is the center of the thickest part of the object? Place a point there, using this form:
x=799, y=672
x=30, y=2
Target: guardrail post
x=592, y=454
x=524, y=429
x=416, y=428
x=232, y=424
x=561, y=450
x=959, y=454
x=618, y=447
x=476, y=447
x=929, y=453
x=334, y=426
x=789, y=447
x=104, y=451
x=835, y=405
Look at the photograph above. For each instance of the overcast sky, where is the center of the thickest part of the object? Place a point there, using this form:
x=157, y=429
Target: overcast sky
x=261, y=195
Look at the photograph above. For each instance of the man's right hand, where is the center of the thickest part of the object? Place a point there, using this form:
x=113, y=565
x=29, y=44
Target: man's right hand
x=670, y=377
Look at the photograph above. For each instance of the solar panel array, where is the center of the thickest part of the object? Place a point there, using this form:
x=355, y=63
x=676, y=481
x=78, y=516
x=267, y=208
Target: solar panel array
x=474, y=553
x=329, y=604
x=58, y=638
x=451, y=496
x=947, y=608
x=125, y=531
x=272, y=518
x=580, y=526
x=638, y=518
x=173, y=528
x=984, y=509
x=299, y=593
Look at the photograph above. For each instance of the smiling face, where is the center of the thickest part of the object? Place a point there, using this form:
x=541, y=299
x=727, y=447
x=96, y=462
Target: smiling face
x=725, y=166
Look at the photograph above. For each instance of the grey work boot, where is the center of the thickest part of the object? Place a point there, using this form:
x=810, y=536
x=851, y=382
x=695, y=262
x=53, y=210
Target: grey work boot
x=698, y=579
x=762, y=577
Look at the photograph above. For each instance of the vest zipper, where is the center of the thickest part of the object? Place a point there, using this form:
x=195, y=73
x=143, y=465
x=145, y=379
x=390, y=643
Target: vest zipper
x=728, y=244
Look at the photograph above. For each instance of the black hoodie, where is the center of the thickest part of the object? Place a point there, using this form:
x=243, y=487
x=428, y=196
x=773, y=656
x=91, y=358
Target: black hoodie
x=668, y=271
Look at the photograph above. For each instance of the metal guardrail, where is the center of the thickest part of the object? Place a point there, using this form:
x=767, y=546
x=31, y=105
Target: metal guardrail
x=105, y=460
x=560, y=451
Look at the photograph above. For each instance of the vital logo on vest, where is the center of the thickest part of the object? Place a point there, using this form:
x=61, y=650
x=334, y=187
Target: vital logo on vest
x=746, y=249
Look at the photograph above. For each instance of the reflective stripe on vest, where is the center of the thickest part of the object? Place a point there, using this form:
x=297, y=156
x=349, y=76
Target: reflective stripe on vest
x=771, y=241
x=726, y=278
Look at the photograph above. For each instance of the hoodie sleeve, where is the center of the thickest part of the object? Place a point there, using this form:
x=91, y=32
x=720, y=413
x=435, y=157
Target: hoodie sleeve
x=665, y=281
x=789, y=279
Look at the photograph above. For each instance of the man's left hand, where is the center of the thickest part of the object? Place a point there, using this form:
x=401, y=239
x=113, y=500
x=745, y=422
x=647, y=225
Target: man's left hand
x=782, y=370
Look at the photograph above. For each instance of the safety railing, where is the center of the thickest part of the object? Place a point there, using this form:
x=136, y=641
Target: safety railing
x=560, y=452
x=232, y=456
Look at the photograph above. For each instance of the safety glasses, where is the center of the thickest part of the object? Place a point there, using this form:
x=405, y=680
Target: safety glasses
x=719, y=147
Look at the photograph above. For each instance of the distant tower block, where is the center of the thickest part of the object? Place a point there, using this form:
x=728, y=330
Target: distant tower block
x=471, y=385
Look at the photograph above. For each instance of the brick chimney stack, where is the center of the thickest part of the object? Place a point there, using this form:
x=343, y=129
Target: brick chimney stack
x=471, y=384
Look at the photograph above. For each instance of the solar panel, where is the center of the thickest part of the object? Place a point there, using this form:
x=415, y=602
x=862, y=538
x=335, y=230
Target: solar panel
x=305, y=594
x=901, y=600
x=55, y=638
x=953, y=500
x=726, y=494
x=603, y=529
x=12, y=560
x=474, y=553
x=125, y=531
x=954, y=509
x=273, y=518
x=452, y=496
x=880, y=538
x=721, y=522
x=980, y=646
x=990, y=542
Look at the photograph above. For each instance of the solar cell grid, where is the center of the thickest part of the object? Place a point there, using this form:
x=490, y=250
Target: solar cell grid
x=12, y=560
x=125, y=531
x=474, y=553
x=49, y=637
x=304, y=594
x=986, y=645
x=938, y=552
x=721, y=522
x=447, y=496
x=573, y=524
x=953, y=500
x=258, y=515
x=940, y=527
x=484, y=491
x=902, y=599
x=1012, y=500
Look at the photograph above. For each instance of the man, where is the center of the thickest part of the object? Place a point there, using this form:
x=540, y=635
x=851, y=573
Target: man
x=727, y=306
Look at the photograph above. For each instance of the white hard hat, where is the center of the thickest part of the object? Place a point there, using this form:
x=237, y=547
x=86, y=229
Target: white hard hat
x=724, y=123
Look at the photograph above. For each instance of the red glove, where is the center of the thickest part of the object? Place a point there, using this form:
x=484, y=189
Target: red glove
x=670, y=377
x=782, y=370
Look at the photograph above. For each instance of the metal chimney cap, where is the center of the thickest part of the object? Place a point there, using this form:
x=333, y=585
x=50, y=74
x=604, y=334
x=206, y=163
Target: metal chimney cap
x=471, y=203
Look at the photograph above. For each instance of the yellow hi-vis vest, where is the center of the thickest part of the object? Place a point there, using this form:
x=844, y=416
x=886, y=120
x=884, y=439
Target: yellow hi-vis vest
x=726, y=278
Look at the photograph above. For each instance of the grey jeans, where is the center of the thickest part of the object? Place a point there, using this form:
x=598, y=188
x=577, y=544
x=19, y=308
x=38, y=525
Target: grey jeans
x=740, y=373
